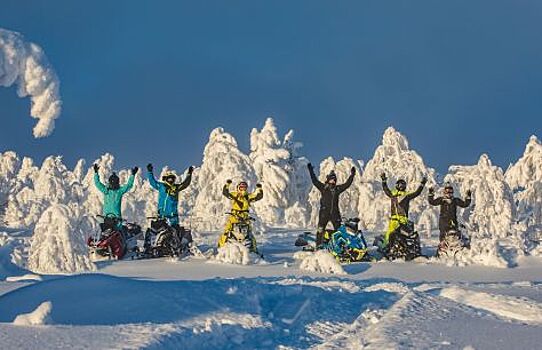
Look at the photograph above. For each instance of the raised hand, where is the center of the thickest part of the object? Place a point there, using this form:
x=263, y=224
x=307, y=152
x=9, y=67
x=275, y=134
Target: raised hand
x=229, y=182
x=383, y=176
x=135, y=170
x=353, y=171
x=259, y=185
x=191, y=169
x=424, y=180
x=149, y=168
x=96, y=168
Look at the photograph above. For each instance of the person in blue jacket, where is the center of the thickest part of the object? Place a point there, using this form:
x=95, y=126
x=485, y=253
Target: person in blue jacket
x=113, y=192
x=168, y=194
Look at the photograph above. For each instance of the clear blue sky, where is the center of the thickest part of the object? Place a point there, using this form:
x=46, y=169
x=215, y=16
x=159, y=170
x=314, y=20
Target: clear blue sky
x=148, y=80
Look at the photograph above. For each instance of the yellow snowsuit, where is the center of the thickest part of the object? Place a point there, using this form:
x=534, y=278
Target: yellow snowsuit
x=241, y=201
x=400, y=202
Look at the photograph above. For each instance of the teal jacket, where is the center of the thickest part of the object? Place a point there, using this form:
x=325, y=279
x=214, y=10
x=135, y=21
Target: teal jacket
x=113, y=198
x=168, y=197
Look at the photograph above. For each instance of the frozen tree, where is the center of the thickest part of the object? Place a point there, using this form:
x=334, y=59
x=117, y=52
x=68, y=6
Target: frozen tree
x=270, y=161
x=397, y=160
x=9, y=167
x=222, y=160
x=58, y=244
x=25, y=64
x=493, y=210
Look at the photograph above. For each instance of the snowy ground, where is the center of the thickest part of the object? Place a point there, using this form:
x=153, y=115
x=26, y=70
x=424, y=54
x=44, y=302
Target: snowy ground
x=202, y=304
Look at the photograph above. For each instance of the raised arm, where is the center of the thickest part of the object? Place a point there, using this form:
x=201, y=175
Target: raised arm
x=256, y=195
x=343, y=187
x=431, y=198
x=464, y=203
x=188, y=179
x=385, y=187
x=314, y=179
x=152, y=180
x=418, y=190
x=226, y=190
x=99, y=185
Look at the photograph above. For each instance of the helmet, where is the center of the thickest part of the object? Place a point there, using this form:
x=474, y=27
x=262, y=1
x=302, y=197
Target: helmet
x=401, y=185
x=114, y=182
x=448, y=189
x=331, y=176
x=169, y=175
x=242, y=184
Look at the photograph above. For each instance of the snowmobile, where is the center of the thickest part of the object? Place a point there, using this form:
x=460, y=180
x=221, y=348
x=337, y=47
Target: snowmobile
x=242, y=231
x=404, y=243
x=115, y=239
x=161, y=239
x=347, y=244
x=454, y=241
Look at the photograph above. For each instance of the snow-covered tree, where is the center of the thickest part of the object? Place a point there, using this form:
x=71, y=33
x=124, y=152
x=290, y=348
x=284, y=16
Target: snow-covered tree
x=58, y=244
x=525, y=180
x=222, y=160
x=398, y=161
x=493, y=210
x=270, y=161
x=9, y=167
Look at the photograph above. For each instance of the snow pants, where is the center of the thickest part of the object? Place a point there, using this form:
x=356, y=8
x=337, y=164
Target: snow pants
x=323, y=219
x=395, y=222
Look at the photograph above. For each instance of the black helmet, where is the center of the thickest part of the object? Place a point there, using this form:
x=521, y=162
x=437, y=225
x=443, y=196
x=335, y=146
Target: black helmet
x=352, y=224
x=114, y=182
x=331, y=176
x=401, y=185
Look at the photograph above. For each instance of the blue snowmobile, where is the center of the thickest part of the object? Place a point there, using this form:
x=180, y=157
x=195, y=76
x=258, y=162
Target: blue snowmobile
x=347, y=244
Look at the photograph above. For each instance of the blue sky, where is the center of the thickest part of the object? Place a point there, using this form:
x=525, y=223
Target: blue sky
x=148, y=80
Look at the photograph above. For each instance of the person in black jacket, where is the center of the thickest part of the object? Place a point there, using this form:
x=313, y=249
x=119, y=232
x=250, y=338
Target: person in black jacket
x=329, y=202
x=448, y=208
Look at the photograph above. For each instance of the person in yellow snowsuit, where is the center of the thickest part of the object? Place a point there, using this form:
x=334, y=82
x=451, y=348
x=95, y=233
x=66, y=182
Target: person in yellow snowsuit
x=400, y=203
x=240, y=205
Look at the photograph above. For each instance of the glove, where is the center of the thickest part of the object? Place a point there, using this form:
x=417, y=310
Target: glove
x=149, y=167
x=353, y=171
x=310, y=166
x=259, y=185
x=190, y=169
x=383, y=176
x=431, y=191
x=229, y=182
x=469, y=193
x=135, y=170
x=424, y=180
x=96, y=168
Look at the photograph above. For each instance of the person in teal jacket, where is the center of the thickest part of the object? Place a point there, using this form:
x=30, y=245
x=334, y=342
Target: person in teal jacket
x=113, y=192
x=168, y=194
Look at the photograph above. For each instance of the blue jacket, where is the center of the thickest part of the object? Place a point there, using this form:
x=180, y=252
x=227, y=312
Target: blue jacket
x=168, y=197
x=113, y=198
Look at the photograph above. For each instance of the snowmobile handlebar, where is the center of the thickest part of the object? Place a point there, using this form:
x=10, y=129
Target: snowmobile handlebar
x=239, y=216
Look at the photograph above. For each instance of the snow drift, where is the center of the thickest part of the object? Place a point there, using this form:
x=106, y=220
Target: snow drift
x=25, y=64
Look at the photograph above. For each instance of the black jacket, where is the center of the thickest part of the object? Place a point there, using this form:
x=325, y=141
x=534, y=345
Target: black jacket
x=400, y=200
x=448, y=209
x=329, y=202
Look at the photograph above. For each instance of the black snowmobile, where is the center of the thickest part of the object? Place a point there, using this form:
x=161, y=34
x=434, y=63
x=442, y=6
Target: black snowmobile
x=404, y=243
x=163, y=240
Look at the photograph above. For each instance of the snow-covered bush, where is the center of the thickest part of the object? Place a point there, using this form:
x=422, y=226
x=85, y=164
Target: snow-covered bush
x=58, y=244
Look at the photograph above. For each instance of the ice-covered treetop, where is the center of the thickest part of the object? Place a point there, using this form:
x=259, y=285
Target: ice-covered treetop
x=25, y=64
x=396, y=159
x=528, y=168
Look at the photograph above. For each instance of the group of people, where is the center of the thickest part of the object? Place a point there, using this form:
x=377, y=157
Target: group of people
x=241, y=200
x=168, y=197
x=400, y=200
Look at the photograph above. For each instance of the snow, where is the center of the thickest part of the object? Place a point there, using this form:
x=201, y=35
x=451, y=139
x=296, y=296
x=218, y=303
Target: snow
x=320, y=261
x=40, y=316
x=24, y=63
x=520, y=309
x=58, y=245
x=235, y=253
x=487, y=297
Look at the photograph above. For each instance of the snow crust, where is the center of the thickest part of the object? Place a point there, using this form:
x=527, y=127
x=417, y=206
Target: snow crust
x=235, y=253
x=320, y=261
